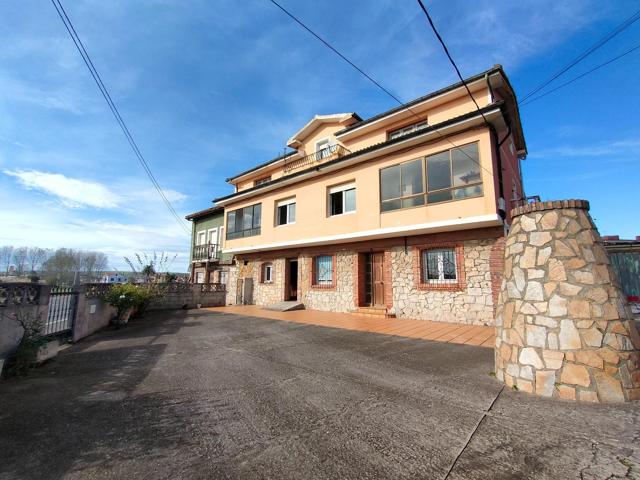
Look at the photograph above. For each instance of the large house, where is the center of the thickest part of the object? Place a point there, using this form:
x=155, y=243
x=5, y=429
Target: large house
x=402, y=214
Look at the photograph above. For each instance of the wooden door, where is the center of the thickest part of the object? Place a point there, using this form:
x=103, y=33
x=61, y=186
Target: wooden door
x=377, y=260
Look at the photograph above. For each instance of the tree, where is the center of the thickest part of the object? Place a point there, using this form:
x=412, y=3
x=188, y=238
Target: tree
x=36, y=257
x=6, y=254
x=148, y=265
x=20, y=259
x=61, y=267
x=92, y=264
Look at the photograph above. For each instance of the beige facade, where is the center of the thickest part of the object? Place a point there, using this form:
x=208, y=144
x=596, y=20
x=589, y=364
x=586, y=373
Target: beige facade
x=455, y=168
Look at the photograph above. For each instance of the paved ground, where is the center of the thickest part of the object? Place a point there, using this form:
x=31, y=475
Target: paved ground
x=424, y=329
x=202, y=395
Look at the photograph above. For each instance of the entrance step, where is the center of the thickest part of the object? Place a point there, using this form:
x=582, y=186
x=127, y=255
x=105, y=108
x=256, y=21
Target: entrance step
x=373, y=312
x=286, y=306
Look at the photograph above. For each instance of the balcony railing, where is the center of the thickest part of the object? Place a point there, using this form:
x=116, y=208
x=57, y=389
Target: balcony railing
x=209, y=251
x=330, y=153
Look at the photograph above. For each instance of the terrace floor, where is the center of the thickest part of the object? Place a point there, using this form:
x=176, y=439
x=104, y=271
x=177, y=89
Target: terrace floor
x=423, y=329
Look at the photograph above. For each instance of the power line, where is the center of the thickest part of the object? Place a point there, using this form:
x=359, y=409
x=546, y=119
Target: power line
x=114, y=110
x=377, y=84
x=580, y=76
x=624, y=25
x=453, y=63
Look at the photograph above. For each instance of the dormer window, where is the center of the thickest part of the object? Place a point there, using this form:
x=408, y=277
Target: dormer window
x=262, y=181
x=401, y=132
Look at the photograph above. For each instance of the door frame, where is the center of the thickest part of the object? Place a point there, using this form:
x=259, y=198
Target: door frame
x=287, y=279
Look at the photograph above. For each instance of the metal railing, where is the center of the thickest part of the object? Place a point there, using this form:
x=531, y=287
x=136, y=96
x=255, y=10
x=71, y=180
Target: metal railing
x=330, y=153
x=209, y=251
x=62, y=310
x=522, y=201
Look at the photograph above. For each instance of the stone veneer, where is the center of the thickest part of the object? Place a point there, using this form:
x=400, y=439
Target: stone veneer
x=564, y=328
x=470, y=301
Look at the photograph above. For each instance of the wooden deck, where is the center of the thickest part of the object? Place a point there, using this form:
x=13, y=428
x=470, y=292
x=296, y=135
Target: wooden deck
x=425, y=329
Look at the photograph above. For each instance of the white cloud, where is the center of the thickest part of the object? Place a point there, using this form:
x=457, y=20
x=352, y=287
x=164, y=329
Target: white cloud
x=627, y=147
x=71, y=192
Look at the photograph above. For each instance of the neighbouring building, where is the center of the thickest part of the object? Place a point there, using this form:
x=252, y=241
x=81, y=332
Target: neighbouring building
x=402, y=214
x=207, y=263
x=625, y=259
x=113, y=277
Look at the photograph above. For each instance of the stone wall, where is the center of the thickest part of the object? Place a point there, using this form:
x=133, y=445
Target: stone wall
x=339, y=298
x=564, y=329
x=470, y=303
x=232, y=285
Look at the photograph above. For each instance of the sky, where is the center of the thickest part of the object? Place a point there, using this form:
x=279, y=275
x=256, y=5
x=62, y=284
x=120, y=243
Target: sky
x=211, y=88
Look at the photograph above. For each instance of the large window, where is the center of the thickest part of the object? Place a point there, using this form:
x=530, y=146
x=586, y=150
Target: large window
x=439, y=266
x=323, y=270
x=244, y=222
x=262, y=181
x=402, y=186
x=450, y=175
x=454, y=174
x=286, y=211
x=342, y=199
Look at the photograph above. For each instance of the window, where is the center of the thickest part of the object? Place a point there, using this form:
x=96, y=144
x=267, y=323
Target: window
x=262, y=181
x=244, y=222
x=200, y=277
x=323, y=270
x=323, y=149
x=402, y=186
x=401, y=132
x=202, y=238
x=267, y=273
x=223, y=277
x=213, y=235
x=439, y=265
x=342, y=199
x=454, y=174
x=286, y=211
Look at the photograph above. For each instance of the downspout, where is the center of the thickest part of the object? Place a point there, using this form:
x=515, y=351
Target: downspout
x=494, y=136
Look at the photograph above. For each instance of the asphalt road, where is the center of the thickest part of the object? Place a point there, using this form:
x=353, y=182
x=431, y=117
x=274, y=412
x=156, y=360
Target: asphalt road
x=202, y=395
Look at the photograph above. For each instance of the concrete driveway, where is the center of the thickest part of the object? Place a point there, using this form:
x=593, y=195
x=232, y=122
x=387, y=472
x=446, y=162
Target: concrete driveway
x=202, y=395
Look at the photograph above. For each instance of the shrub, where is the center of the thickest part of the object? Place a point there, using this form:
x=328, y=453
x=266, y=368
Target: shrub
x=26, y=355
x=128, y=296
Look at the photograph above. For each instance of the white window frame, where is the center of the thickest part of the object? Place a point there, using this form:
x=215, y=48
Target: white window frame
x=198, y=237
x=212, y=235
x=283, y=203
x=221, y=236
x=340, y=188
x=199, y=277
x=267, y=267
x=440, y=280
x=406, y=130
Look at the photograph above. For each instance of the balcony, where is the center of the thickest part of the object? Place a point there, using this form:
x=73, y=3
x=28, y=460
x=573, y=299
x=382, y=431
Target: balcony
x=330, y=153
x=207, y=252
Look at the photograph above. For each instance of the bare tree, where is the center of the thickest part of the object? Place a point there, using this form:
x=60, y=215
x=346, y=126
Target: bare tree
x=20, y=259
x=93, y=264
x=150, y=265
x=6, y=254
x=37, y=256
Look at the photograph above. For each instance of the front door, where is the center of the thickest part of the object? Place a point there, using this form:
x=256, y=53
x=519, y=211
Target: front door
x=374, y=279
x=292, y=283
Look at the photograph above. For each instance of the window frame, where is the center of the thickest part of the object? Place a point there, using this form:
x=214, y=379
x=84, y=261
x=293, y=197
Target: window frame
x=314, y=272
x=261, y=181
x=401, y=198
x=264, y=267
x=411, y=128
x=198, y=234
x=232, y=234
x=452, y=188
x=342, y=188
x=285, y=203
x=421, y=283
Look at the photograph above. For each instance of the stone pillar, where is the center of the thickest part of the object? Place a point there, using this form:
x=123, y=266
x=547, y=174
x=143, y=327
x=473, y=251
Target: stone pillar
x=564, y=328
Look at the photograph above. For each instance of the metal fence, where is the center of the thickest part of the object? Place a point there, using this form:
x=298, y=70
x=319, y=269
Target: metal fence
x=62, y=310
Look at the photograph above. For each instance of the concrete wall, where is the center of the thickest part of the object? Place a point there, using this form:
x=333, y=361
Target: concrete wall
x=187, y=295
x=92, y=314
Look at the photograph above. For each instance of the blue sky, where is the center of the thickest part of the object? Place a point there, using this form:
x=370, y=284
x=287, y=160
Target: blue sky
x=209, y=89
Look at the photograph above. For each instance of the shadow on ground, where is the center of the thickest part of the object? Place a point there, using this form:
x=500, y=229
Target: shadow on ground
x=192, y=394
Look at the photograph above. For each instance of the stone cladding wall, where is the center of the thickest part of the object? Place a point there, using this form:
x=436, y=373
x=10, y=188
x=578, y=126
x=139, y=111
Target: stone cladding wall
x=564, y=328
x=470, y=302
x=341, y=296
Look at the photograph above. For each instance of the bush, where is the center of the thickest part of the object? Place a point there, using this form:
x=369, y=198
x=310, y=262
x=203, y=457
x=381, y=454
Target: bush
x=26, y=355
x=127, y=296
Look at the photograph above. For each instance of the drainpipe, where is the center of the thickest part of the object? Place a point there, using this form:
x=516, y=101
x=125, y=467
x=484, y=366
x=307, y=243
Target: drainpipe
x=494, y=137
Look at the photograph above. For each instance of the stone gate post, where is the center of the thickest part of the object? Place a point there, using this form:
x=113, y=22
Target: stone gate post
x=564, y=328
